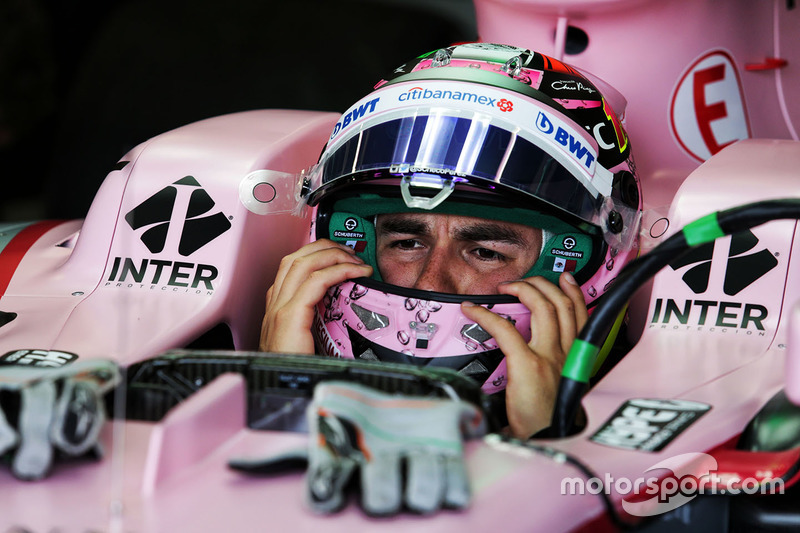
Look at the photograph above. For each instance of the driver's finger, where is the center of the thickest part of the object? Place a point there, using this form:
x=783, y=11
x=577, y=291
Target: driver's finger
x=316, y=246
x=547, y=315
x=565, y=303
x=296, y=268
x=508, y=339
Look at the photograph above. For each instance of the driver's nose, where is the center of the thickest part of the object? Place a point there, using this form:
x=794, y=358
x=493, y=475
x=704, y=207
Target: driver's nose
x=437, y=273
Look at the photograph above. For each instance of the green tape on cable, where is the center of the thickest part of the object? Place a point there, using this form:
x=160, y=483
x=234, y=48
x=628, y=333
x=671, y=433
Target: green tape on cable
x=580, y=361
x=704, y=229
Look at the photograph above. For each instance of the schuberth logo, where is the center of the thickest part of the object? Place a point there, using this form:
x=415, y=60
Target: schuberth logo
x=743, y=268
x=157, y=220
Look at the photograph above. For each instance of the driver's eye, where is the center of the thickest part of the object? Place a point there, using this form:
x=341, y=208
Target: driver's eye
x=405, y=244
x=485, y=253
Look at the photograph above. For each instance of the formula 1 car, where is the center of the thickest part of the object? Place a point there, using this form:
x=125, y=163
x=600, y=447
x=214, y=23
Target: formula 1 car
x=166, y=275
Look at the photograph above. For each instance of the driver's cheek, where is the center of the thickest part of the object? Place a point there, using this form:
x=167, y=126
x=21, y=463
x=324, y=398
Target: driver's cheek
x=398, y=270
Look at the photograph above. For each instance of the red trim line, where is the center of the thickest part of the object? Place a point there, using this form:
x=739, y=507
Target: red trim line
x=770, y=63
x=18, y=246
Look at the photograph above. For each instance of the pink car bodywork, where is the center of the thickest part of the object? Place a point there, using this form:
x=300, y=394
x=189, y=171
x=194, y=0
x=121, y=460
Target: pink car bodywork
x=697, y=75
x=130, y=288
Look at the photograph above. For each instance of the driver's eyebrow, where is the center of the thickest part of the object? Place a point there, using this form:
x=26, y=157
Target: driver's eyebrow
x=486, y=231
x=403, y=226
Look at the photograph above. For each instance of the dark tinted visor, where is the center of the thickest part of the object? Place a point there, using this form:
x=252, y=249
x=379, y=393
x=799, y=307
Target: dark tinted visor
x=471, y=148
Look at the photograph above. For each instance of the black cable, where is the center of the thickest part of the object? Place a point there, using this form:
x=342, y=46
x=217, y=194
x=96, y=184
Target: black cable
x=636, y=273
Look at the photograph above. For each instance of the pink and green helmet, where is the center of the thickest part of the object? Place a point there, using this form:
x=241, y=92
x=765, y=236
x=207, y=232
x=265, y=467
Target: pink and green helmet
x=484, y=130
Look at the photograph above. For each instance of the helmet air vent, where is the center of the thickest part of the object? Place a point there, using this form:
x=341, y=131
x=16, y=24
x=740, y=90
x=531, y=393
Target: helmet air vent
x=370, y=319
x=441, y=58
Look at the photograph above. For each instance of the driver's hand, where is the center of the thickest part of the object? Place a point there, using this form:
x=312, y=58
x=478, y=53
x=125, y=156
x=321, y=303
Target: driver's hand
x=302, y=280
x=534, y=368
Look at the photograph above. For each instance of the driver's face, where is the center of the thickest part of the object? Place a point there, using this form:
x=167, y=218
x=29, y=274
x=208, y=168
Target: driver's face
x=454, y=254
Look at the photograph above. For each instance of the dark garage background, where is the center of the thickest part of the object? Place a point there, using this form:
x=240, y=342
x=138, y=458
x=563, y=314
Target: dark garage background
x=83, y=82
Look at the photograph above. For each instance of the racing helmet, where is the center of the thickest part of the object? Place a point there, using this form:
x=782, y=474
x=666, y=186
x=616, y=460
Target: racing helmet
x=482, y=130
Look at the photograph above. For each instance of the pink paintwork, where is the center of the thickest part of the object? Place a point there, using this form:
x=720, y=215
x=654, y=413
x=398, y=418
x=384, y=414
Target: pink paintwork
x=731, y=349
x=173, y=476
x=110, y=296
x=689, y=70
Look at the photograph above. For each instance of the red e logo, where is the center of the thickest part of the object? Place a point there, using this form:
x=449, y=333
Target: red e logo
x=707, y=111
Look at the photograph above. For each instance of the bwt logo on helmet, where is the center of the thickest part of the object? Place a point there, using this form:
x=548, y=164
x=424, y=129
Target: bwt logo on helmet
x=354, y=114
x=418, y=93
x=574, y=146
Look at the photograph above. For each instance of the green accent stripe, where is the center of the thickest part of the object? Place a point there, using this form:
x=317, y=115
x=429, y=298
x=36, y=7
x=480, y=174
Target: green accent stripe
x=580, y=361
x=9, y=231
x=610, y=341
x=704, y=229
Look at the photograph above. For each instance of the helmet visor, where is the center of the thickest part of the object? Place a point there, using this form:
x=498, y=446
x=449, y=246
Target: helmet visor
x=469, y=148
